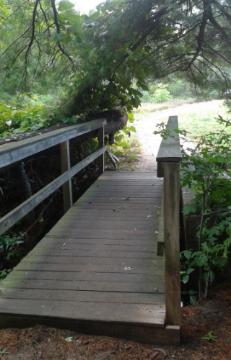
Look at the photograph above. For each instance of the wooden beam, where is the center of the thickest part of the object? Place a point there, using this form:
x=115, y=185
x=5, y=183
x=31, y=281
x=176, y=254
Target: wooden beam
x=172, y=242
x=65, y=166
x=15, y=215
x=169, y=150
x=14, y=152
x=101, y=144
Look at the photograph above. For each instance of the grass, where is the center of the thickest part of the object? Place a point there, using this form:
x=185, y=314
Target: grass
x=202, y=118
x=197, y=118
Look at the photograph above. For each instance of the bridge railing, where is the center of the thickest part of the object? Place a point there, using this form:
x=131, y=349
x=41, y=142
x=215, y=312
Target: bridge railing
x=15, y=152
x=168, y=166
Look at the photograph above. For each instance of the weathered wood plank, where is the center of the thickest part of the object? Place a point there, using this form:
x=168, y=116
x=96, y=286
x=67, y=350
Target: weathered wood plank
x=91, y=261
x=170, y=148
x=172, y=242
x=101, y=254
x=169, y=335
x=65, y=166
x=96, y=241
x=132, y=313
x=101, y=145
x=15, y=215
x=157, y=268
x=125, y=277
x=100, y=234
x=11, y=153
x=145, y=247
x=146, y=287
x=83, y=296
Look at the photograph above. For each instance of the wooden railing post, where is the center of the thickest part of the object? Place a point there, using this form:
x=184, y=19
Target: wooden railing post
x=101, y=144
x=65, y=166
x=172, y=244
x=168, y=160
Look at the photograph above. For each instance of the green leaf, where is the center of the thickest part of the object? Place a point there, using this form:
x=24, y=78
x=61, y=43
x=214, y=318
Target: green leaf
x=130, y=116
x=39, y=36
x=209, y=337
x=132, y=128
x=77, y=29
x=187, y=254
x=72, y=16
x=65, y=5
x=129, y=52
x=211, y=275
x=192, y=299
x=185, y=279
x=66, y=39
x=58, y=37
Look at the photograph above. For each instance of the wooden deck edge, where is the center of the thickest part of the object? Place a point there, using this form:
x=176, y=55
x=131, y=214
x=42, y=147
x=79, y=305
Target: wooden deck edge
x=168, y=335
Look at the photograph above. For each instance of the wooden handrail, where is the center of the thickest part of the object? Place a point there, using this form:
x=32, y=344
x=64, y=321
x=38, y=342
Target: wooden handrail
x=168, y=165
x=12, y=153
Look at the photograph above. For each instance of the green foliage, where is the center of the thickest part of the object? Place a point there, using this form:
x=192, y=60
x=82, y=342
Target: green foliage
x=3, y=273
x=209, y=337
x=2, y=351
x=10, y=246
x=161, y=94
x=107, y=58
x=20, y=116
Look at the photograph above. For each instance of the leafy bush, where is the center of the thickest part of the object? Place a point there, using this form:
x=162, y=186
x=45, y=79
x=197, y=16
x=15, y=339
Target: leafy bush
x=21, y=116
x=9, y=246
x=161, y=95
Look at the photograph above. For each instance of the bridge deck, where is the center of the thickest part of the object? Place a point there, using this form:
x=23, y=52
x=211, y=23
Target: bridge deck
x=97, y=271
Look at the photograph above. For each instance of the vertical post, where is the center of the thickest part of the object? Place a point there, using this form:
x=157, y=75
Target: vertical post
x=171, y=239
x=65, y=165
x=101, y=144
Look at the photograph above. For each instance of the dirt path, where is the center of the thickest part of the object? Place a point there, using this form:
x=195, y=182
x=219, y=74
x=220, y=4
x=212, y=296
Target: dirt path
x=146, y=123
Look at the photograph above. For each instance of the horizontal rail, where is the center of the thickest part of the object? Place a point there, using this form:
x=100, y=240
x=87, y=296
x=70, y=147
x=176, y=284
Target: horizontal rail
x=11, y=153
x=15, y=215
x=169, y=150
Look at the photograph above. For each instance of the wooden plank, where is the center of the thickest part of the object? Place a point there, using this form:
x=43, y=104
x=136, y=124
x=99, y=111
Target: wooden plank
x=132, y=313
x=101, y=254
x=101, y=145
x=125, y=277
x=146, y=224
x=172, y=242
x=90, y=205
x=65, y=166
x=61, y=240
x=145, y=287
x=83, y=296
x=91, y=261
x=106, y=199
x=11, y=153
x=145, y=247
x=169, y=150
x=15, y=215
x=148, y=334
x=100, y=234
x=154, y=268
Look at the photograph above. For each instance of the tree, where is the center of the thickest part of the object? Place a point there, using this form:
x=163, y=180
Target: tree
x=102, y=55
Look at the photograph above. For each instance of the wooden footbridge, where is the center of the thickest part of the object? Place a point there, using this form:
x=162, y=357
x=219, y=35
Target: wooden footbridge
x=100, y=270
